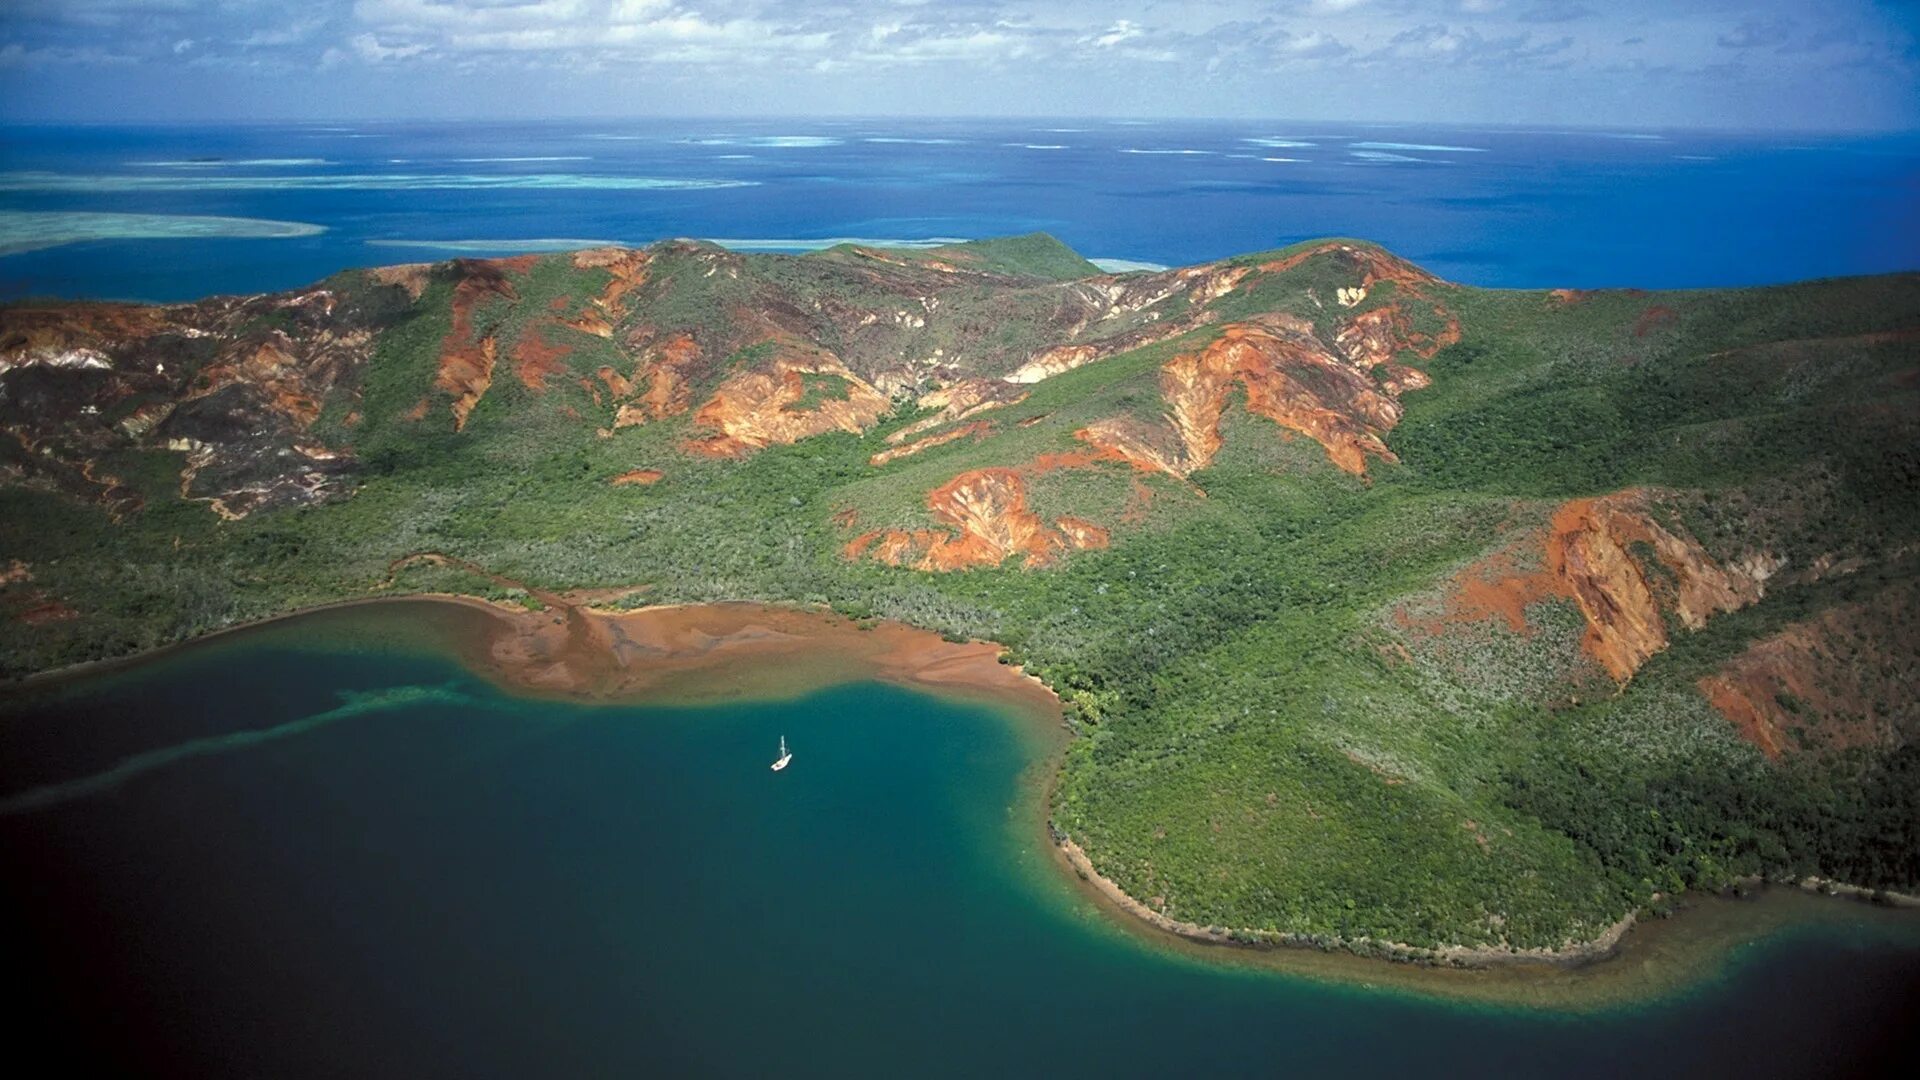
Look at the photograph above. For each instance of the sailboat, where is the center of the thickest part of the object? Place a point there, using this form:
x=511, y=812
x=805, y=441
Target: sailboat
x=784, y=756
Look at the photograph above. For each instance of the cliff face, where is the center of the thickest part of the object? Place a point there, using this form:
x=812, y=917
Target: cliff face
x=987, y=522
x=797, y=394
x=1591, y=552
x=1288, y=375
x=1625, y=572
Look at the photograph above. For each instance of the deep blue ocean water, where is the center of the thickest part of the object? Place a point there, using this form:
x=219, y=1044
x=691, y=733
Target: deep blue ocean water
x=1497, y=207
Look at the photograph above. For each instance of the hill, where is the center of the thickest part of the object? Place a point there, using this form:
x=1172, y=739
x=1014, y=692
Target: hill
x=1387, y=610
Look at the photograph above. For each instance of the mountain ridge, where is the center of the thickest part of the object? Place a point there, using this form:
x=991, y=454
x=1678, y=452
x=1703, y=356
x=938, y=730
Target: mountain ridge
x=1384, y=607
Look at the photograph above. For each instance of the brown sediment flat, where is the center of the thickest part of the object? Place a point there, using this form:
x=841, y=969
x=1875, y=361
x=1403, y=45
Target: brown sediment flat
x=706, y=652
x=711, y=652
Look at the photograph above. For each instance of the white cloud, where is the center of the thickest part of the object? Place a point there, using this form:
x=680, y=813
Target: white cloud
x=373, y=51
x=290, y=34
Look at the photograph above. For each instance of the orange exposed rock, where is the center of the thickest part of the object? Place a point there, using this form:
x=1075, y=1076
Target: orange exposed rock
x=755, y=409
x=628, y=270
x=15, y=573
x=1368, y=339
x=1587, y=555
x=466, y=373
x=1205, y=284
x=988, y=522
x=270, y=366
x=617, y=383
x=1569, y=296
x=1289, y=377
x=961, y=400
x=1375, y=336
x=638, y=477
x=665, y=370
x=466, y=361
x=535, y=359
x=1081, y=534
x=1842, y=679
x=1146, y=446
x=74, y=335
x=1375, y=264
x=1401, y=379
x=1050, y=362
x=979, y=429
x=412, y=277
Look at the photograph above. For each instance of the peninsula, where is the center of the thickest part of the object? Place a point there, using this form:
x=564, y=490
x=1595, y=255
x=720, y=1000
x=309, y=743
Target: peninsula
x=1382, y=609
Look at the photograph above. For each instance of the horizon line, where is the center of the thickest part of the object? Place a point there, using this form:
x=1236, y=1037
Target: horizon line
x=848, y=118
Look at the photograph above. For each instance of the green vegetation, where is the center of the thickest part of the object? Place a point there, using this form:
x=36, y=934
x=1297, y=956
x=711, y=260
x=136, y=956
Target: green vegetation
x=1266, y=743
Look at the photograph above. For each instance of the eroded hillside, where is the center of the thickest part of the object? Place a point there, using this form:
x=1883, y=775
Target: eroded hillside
x=1385, y=608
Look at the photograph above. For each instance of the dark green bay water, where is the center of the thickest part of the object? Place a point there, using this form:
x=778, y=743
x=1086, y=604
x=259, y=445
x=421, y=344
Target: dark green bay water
x=326, y=849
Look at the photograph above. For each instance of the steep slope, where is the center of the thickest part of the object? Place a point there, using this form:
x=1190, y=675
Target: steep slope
x=1385, y=608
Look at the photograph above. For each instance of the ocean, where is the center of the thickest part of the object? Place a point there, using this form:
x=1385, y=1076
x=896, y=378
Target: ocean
x=172, y=213
x=324, y=848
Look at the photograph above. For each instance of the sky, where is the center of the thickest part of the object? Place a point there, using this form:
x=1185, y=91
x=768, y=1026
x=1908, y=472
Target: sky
x=1765, y=65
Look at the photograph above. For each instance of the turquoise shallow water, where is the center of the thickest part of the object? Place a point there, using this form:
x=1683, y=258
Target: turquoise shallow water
x=1496, y=207
x=298, y=859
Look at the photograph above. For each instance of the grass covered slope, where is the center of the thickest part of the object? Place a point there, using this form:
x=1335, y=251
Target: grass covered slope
x=1388, y=610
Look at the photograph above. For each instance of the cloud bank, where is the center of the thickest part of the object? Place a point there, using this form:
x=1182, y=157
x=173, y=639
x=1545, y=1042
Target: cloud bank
x=1774, y=63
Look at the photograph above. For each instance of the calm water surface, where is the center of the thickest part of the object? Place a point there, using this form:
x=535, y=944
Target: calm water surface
x=1486, y=206
x=317, y=859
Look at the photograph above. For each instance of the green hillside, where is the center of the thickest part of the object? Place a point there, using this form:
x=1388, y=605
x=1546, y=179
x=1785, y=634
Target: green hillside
x=1384, y=608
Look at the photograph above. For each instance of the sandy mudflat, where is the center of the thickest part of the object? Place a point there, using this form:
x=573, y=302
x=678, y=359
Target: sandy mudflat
x=711, y=652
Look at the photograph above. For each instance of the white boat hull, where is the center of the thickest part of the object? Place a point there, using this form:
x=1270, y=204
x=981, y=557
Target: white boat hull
x=782, y=763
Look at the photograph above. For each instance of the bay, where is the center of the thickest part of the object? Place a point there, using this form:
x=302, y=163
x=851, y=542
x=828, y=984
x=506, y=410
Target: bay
x=328, y=848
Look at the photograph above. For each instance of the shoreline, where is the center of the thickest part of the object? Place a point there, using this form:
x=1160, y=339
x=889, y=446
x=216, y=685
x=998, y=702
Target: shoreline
x=1572, y=954
x=685, y=654
x=672, y=654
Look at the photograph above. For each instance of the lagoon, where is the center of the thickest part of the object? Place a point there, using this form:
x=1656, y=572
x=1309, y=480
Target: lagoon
x=327, y=847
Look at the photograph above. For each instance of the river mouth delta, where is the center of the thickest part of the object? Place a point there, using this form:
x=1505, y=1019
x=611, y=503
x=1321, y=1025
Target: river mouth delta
x=391, y=838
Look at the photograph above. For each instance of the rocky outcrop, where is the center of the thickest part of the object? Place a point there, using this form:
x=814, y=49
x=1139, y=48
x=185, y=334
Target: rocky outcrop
x=1055, y=361
x=626, y=271
x=239, y=386
x=233, y=384
x=1591, y=551
x=1624, y=570
x=662, y=384
x=467, y=354
x=979, y=429
x=987, y=521
x=963, y=399
x=799, y=393
x=1289, y=376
